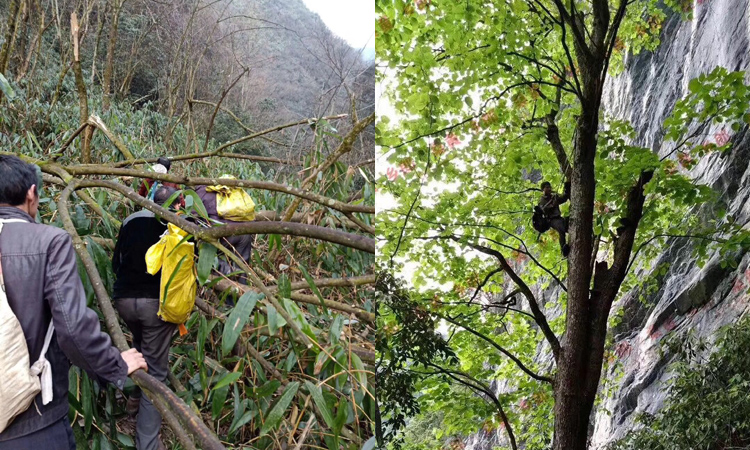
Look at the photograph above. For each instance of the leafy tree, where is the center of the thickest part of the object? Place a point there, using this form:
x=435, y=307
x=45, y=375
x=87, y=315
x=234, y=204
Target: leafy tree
x=491, y=99
x=281, y=360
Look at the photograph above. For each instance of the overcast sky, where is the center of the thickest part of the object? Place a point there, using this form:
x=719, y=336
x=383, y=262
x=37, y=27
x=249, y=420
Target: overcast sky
x=352, y=20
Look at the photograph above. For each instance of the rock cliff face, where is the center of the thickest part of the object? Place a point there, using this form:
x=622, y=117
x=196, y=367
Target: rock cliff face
x=691, y=299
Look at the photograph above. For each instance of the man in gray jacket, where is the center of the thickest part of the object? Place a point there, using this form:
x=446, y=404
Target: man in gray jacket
x=42, y=284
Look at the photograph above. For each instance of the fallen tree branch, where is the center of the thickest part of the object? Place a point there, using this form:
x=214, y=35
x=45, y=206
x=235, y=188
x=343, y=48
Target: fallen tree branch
x=239, y=289
x=363, y=226
x=197, y=181
x=191, y=156
x=277, y=128
x=264, y=227
x=53, y=168
x=63, y=178
x=351, y=240
x=332, y=282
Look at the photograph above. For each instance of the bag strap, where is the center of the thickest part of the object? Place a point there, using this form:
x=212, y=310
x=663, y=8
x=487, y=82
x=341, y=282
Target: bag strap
x=152, y=191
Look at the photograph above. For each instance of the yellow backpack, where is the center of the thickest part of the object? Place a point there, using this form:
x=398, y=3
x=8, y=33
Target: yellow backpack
x=175, y=259
x=233, y=203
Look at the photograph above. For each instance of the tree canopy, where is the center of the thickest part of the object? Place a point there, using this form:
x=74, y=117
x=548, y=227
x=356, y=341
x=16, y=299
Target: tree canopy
x=279, y=353
x=489, y=99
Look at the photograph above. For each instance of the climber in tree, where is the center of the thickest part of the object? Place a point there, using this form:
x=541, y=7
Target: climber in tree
x=549, y=204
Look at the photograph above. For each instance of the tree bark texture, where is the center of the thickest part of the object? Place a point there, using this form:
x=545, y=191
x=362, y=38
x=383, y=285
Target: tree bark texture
x=14, y=14
x=111, y=47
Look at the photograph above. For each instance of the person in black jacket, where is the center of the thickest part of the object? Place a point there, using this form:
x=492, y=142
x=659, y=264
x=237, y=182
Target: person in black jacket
x=550, y=204
x=136, y=295
x=42, y=285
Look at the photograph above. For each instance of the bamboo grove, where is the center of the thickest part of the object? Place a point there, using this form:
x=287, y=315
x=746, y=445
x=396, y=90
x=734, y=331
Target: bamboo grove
x=94, y=91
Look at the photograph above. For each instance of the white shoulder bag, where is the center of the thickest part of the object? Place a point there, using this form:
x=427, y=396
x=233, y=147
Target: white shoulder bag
x=20, y=382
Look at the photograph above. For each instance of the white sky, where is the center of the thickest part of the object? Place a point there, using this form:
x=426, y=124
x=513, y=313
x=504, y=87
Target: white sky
x=352, y=20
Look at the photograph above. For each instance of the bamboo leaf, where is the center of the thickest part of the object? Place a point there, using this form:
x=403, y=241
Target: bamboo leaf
x=237, y=320
x=197, y=203
x=360, y=373
x=320, y=402
x=336, y=327
x=220, y=395
x=247, y=417
x=206, y=258
x=5, y=87
x=313, y=287
x=87, y=404
x=277, y=411
x=226, y=380
x=285, y=287
x=267, y=389
x=275, y=321
x=370, y=444
x=299, y=318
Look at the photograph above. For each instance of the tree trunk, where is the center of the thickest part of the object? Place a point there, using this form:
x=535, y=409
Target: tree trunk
x=101, y=13
x=111, y=46
x=577, y=366
x=83, y=103
x=14, y=14
x=21, y=32
x=35, y=45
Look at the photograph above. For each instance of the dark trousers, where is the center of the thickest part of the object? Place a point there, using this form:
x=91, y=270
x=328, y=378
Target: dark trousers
x=58, y=436
x=242, y=246
x=559, y=225
x=152, y=337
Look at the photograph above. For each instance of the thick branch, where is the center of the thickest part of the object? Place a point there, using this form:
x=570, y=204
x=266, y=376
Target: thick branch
x=478, y=386
x=190, y=181
x=239, y=289
x=497, y=346
x=270, y=130
x=351, y=240
x=539, y=317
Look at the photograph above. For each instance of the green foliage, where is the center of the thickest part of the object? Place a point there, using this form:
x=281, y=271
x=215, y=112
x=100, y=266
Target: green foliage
x=231, y=390
x=474, y=89
x=707, y=407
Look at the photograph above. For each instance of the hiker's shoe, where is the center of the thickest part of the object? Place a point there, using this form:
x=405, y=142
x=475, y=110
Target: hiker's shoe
x=131, y=407
x=566, y=250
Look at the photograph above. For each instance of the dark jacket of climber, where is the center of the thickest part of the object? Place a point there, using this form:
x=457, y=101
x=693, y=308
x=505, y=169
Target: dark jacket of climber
x=550, y=204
